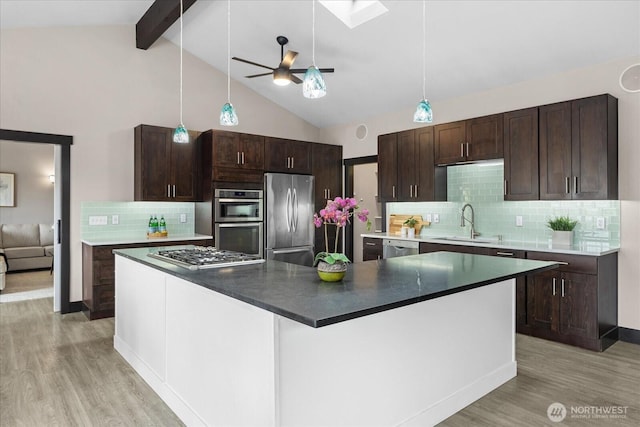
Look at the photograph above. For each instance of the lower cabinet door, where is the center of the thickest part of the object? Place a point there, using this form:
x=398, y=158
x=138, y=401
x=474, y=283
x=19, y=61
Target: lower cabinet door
x=578, y=305
x=541, y=306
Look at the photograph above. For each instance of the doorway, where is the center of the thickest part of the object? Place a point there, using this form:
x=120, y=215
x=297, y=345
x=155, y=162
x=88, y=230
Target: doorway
x=62, y=226
x=364, y=166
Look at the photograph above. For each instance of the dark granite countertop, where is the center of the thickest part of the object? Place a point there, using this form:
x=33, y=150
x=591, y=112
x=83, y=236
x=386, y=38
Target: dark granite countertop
x=297, y=293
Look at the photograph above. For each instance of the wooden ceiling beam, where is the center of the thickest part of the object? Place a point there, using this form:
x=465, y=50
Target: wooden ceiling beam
x=157, y=19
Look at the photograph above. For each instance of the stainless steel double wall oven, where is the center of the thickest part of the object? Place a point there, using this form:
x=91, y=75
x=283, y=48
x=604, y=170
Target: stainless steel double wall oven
x=238, y=216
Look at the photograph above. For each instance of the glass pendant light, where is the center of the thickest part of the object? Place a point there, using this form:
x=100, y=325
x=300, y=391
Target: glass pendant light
x=180, y=134
x=313, y=85
x=228, y=116
x=423, y=113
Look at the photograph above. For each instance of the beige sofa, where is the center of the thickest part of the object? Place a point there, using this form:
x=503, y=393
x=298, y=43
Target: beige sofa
x=27, y=246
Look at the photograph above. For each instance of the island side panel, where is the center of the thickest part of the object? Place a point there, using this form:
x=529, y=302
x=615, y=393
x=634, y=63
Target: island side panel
x=414, y=365
x=220, y=356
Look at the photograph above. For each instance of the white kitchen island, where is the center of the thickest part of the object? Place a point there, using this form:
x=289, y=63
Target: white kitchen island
x=271, y=345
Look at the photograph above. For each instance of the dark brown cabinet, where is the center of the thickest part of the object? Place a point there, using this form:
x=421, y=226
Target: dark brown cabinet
x=288, y=156
x=426, y=247
x=164, y=170
x=413, y=176
x=521, y=173
x=98, y=275
x=371, y=248
x=480, y=138
x=327, y=170
x=232, y=157
x=579, y=149
x=575, y=304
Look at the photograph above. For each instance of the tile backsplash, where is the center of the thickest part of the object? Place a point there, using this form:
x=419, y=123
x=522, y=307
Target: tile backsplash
x=133, y=218
x=482, y=186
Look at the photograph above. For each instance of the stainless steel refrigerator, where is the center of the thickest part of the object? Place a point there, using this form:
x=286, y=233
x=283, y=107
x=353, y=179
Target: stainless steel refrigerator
x=289, y=218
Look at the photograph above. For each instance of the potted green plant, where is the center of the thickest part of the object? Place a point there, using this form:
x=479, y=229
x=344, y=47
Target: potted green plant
x=562, y=230
x=332, y=266
x=410, y=223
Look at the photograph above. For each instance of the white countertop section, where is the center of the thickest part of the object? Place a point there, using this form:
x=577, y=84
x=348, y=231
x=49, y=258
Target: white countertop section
x=125, y=240
x=583, y=248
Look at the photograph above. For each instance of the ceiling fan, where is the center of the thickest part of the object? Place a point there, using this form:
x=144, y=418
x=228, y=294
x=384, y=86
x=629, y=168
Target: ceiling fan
x=283, y=74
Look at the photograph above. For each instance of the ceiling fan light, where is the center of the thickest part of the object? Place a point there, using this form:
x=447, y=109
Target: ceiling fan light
x=180, y=135
x=313, y=85
x=281, y=77
x=228, y=116
x=423, y=113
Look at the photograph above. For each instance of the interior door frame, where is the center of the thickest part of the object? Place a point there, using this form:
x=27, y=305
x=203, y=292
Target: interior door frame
x=348, y=191
x=64, y=226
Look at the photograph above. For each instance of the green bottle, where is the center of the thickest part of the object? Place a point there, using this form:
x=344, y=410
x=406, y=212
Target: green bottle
x=163, y=225
x=155, y=224
x=150, y=229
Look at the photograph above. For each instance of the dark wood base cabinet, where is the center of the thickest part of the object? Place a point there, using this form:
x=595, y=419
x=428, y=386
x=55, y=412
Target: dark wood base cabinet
x=98, y=275
x=371, y=249
x=577, y=303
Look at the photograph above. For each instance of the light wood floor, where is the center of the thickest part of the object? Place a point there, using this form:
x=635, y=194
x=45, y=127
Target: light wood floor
x=63, y=371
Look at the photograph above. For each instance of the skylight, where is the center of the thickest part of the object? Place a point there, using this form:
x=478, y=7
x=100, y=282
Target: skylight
x=354, y=12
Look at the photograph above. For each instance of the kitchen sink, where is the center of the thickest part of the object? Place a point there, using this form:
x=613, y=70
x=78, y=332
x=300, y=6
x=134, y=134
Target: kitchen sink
x=468, y=239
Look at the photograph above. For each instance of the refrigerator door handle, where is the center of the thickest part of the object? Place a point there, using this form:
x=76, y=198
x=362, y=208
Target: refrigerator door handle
x=295, y=210
x=288, y=209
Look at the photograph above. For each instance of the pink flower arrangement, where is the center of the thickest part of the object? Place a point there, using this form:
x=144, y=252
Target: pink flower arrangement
x=338, y=213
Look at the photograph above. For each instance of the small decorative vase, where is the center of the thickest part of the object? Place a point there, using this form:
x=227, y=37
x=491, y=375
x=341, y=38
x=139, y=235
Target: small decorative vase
x=562, y=239
x=411, y=233
x=331, y=272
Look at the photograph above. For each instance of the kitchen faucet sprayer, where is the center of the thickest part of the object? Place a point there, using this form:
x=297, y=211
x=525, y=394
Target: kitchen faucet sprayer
x=473, y=233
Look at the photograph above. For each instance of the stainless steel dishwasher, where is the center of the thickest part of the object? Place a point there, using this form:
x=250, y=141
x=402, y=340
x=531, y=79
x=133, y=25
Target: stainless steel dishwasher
x=392, y=248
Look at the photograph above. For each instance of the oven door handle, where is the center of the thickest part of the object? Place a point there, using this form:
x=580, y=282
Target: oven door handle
x=237, y=224
x=288, y=210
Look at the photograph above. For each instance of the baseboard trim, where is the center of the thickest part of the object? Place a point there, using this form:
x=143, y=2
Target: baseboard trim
x=629, y=335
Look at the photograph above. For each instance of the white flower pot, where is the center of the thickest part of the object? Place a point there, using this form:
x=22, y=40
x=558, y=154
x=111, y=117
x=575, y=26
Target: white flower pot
x=411, y=233
x=562, y=239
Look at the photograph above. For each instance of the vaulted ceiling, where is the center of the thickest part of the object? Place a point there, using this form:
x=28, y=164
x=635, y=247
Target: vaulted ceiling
x=471, y=45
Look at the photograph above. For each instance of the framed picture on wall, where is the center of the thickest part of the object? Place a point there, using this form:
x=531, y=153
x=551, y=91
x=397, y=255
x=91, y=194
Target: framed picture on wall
x=7, y=189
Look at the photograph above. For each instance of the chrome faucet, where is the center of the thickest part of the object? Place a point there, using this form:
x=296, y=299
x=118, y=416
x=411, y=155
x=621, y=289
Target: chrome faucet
x=473, y=233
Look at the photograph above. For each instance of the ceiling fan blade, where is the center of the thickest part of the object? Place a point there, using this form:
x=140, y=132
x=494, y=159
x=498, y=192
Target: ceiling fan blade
x=295, y=79
x=259, y=75
x=252, y=63
x=304, y=70
x=288, y=59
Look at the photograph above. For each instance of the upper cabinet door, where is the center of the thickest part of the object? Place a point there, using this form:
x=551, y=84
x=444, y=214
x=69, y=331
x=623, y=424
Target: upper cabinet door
x=431, y=181
x=555, y=151
x=184, y=170
x=226, y=149
x=387, y=167
x=288, y=156
x=450, y=139
x=252, y=151
x=484, y=138
x=407, y=156
x=521, y=174
x=300, y=153
x=594, y=157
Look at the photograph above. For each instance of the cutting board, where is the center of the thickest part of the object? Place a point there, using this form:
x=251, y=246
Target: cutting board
x=396, y=221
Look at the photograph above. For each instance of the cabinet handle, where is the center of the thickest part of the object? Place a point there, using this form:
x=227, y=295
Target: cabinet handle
x=554, y=286
x=567, y=185
x=415, y=191
x=370, y=244
x=168, y=190
x=562, y=287
x=393, y=191
x=292, y=159
x=329, y=193
x=575, y=184
x=467, y=144
x=505, y=187
x=238, y=157
x=174, y=190
x=242, y=157
x=504, y=253
x=461, y=149
x=288, y=162
x=411, y=191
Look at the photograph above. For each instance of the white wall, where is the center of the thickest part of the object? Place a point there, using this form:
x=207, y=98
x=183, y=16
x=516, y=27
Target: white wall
x=32, y=164
x=92, y=83
x=578, y=83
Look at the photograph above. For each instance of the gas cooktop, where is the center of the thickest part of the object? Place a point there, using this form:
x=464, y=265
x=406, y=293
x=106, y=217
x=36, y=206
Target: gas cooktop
x=200, y=257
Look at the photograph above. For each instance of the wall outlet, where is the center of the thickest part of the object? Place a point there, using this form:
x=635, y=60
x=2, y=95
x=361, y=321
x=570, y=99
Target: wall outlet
x=600, y=223
x=518, y=220
x=115, y=219
x=436, y=218
x=429, y=218
x=98, y=220
x=183, y=218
